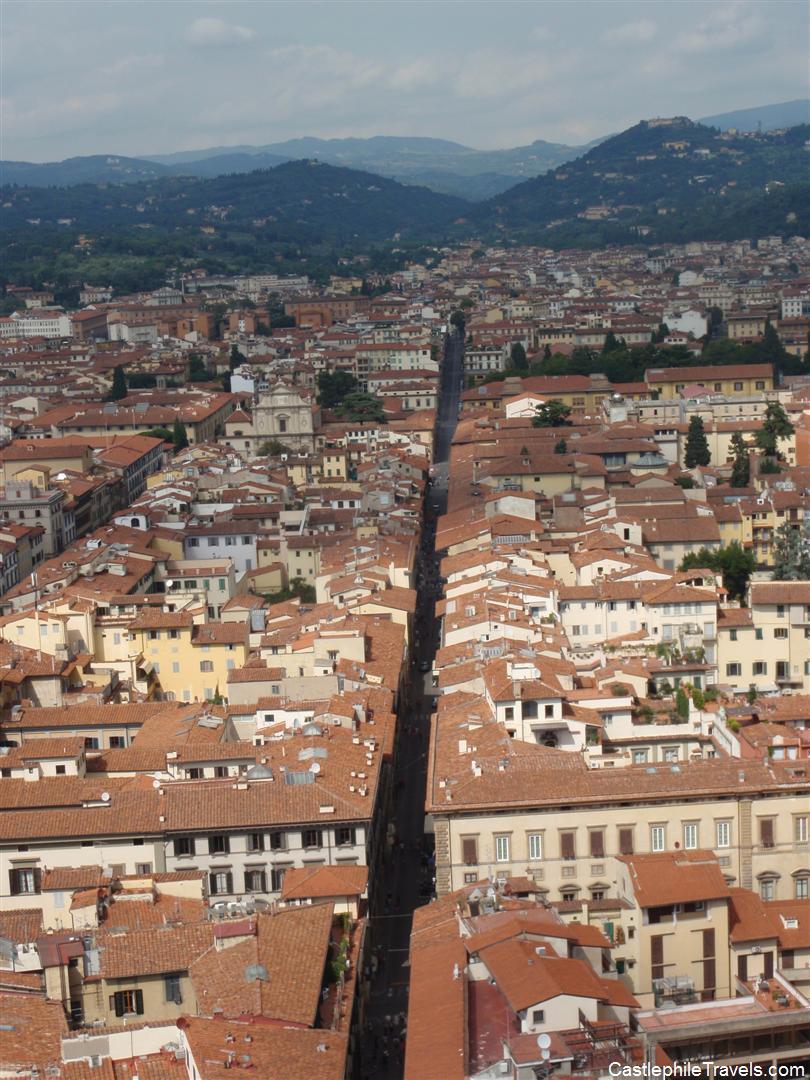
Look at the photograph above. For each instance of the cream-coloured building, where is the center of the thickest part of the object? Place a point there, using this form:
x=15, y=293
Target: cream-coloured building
x=513, y=809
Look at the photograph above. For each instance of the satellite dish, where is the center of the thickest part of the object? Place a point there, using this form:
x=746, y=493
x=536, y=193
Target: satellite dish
x=156, y=784
x=168, y=583
x=544, y=1041
x=105, y=796
x=315, y=768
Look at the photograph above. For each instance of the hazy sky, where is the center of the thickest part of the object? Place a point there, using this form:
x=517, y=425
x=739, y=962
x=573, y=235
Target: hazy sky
x=137, y=76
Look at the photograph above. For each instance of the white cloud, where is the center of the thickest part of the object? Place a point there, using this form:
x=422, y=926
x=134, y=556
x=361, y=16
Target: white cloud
x=632, y=33
x=726, y=27
x=207, y=32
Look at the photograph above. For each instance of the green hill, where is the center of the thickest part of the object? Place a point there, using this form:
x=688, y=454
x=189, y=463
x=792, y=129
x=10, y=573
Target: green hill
x=662, y=181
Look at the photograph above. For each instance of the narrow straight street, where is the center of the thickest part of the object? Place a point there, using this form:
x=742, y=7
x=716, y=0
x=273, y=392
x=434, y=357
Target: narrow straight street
x=408, y=876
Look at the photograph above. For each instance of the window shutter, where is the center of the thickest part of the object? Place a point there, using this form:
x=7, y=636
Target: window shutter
x=709, y=975
x=625, y=841
x=470, y=852
x=766, y=832
x=139, y=1002
x=567, y=845
x=229, y=880
x=708, y=944
x=768, y=965
x=597, y=845
x=119, y=1004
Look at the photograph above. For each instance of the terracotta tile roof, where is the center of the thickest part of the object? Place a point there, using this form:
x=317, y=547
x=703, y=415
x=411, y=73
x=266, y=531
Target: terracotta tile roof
x=324, y=881
x=676, y=877
x=31, y=1031
x=526, y=978
x=22, y=925
x=750, y=919
x=276, y=1053
x=780, y=592
x=291, y=947
x=152, y=951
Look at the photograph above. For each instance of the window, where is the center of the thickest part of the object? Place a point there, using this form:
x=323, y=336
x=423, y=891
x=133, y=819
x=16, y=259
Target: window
x=732, y=635
x=469, y=850
x=501, y=849
x=597, y=841
x=154, y=635
x=175, y=667
x=800, y=829
x=25, y=880
x=766, y=837
x=218, y=845
x=657, y=956
x=780, y=611
x=184, y=845
x=144, y=868
x=345, y=836
x=538, y=1016
x=568, y=845
x=657, y=838
x=255, y=841
x=171, y=989
x=780, y=632
x=535, y=844
x=127, y=1002
x=277, y=878
x=759, y=667
x=312, y=838
x=767, y=888
x=278, y=841
x=625, y=841
x=220, y=882
x=206, y=665
x=690, y=835
x=722, y=834
x=60, y=770
x=801, y=887
x=733, y=669
x=255, y=880
x=116, y=742
x=639, y=757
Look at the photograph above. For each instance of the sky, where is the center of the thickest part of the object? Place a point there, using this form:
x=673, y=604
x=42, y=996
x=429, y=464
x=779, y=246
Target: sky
x=154, y=76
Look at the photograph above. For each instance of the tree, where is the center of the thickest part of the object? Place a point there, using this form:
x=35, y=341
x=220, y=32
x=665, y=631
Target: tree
x=158, y=433
x=197, y=371
x=458, y=321
x=118, y=389
x=333, y=386
x=771, y=348
x=775, y=426
x=611, y=343
x=361, y=407
x=791, y=553
x=552, y=413
x=546, y=352
x=272, y=448
x=682, y=703
x=179, y=435
x=561, y=447
x=733, y=562
x=236, y=358
x=517, y=357
x=659, y=334
x=697, y=445
x=741, y=463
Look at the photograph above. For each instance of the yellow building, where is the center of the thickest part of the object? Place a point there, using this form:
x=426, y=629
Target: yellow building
x=731, y=380
x=191, y=659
